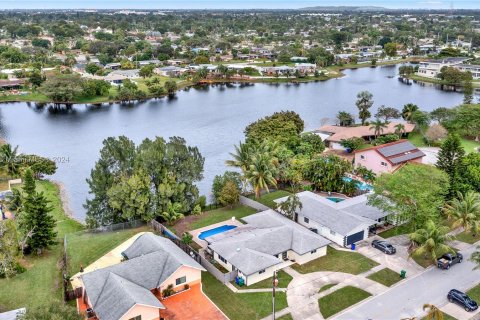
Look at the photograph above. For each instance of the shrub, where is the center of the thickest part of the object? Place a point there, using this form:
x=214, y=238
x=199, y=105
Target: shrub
x=168, y=291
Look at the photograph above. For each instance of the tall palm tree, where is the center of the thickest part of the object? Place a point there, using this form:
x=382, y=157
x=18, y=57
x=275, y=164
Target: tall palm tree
x=408, y=111
x=172, y=214
x=431, y=240
x=261, y=173
x=9, y=159
x=433, y=312
x=400, y=129
x=378, y=126
x=465, y=211
x=241, y=157
x=345, y=119
x=290, y=206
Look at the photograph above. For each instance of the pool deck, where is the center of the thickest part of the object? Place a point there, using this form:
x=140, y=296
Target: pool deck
x=203, y=243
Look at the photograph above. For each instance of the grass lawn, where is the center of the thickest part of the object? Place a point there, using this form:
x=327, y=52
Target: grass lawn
x=240, y=306
x=425, y=261
x=327, y=286
x=218, y=215
x=41, y=282
x=396, y=231
x=386, y=276
x=267, y=198
x=474, y=293
x=283, y=281
x=417, y=139
x=446, y=316
x=85, y=248
x=288, y=316
x=468, y=237
x=338, y=261
x=340, y=300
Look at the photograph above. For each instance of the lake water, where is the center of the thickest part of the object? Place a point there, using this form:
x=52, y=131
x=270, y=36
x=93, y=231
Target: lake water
x=212, y=118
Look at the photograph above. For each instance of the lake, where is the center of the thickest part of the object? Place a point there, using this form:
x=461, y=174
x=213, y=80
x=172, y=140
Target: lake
x=212, y=118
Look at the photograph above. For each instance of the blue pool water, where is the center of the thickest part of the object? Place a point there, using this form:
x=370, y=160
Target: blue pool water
x=335, y=199
x=360, y=185
x=214, y=231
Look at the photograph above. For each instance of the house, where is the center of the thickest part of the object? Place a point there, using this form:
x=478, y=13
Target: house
x=306, y=68
x=133, y=289
x=268, y=242
x=170, y=71
x=128, y=74
x=474, y=69
x=345, y=222
x=299, y=59
x=333, y=135
x=11, y=84
x=388, y=157
x=431, y=68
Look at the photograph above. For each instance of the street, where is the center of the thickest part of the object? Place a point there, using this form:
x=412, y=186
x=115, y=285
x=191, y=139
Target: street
x=406, y=300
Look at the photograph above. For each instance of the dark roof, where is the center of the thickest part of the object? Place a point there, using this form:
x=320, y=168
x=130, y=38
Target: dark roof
x=397, y=152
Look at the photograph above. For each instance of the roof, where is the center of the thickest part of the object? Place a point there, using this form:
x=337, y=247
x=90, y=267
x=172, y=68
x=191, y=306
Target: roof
x=151, y=260
x=252, y=247
x=10, y=83
x=339, y=133
x=342, y=217
x=397, y=152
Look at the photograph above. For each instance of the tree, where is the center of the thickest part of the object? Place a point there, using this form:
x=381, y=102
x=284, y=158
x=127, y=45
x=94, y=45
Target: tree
x=387, y=113
x=414, y=193
x=310, y=144
x=62, y=88
x=220, y=180
x=36, y=78
x=468, y=92
x=261, y=172
x=172, y=214
x=146, y=71
x=53, y=310
x=202, y=60
x=390, y=49
x=345, y=119
x=436, y=133
x=433, y=313
x=470, y=173
x=378, y=126
x=9, y=246
x=283, y=127
x=92, y=68
x=364, y=103
x=467, y=120
x=475, y=258
x=352, y=144
x=449, y=160
x=230, y=194
x=29, y=186
x=464, y=211
x=408, y=110
x=187, y=238
x=453, y=76
x=170, y=86
x=431, y=240
x=9, y=159
x=327, y=173
x=421, y=119
x=290, y=206
x=399, y=129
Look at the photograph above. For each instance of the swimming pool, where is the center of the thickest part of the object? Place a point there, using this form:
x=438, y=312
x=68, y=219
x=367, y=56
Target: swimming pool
x=214, y=231
x=335, y=199
x=360, y=185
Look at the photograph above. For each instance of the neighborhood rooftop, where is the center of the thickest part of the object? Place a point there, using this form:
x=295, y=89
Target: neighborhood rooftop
x=398, y=152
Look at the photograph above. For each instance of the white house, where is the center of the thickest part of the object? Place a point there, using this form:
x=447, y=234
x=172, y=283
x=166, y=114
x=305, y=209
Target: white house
x=431, y=68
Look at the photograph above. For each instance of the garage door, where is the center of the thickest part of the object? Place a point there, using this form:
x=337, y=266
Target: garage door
x=354, y=238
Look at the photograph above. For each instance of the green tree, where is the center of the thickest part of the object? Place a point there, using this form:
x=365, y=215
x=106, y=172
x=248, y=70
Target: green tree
x=464, y=211
x=470, y=173
x=92, y=68
x=291, y=206
x=378, y=126
x=327, y=173
x=52, y=310
x=352, y=144
x=408, y=111
x=345, y=119
x=187, y=238
x=399, y=129
x=433, y=313
x=468, y=92
x=62, y=88
x=467, y=120
x=172, y=213
x=146, y=71
x=390, y=49
x=450, y=160
x=9, y=249
x=283, y=127
x=170, y=86
x=431, y=240
x=387, y=113
x=220, y=180
x=261, y=172
x=364, y=103
x=10, y=159
x=230, y=194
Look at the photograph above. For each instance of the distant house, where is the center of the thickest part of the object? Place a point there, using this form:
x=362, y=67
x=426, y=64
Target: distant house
x=345, y=222
x=113, y=65
x=431, y=68
x=333, y=135
x=128, y=74
x=133, y=289
x=268, y=242
x=299, y=59
x=11, y=84
x=388, y=157
x=170, y=71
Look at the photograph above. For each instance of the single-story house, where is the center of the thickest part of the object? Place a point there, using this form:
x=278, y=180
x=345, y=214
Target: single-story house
x=333, y=135
x=170, y=71
x=128, y=74
x=345, y=222
x=11, y=84
x=268, y=242
x=388, y=157
x=133, y=289
x=431, y=68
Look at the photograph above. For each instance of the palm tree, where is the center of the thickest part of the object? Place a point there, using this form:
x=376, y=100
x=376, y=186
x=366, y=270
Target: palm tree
x=408, y=111
x=475, y=258
x=241, y=157
x=433, y=312
x=261, y=173
x=172, y=214
x=378, y=126
x=345, y=119
x=465, y=211
x=290, y=206
x=9, y=159
x=400, y=129
x=432, y=239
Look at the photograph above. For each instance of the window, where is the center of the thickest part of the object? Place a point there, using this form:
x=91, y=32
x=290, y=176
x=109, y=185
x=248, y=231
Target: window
x=306, y=220
x=222, y=259
x=332, y=232
x=362, y=157
x=383, y=164
x=261, y=271
x=136, y=318
x=313, y=251
x=180, y=280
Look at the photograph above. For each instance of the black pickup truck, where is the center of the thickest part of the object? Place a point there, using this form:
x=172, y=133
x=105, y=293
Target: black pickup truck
x=448, y=260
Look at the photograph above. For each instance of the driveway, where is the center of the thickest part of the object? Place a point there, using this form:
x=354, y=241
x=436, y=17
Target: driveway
x=397, y=262
x=406, y=299
x=431, y=155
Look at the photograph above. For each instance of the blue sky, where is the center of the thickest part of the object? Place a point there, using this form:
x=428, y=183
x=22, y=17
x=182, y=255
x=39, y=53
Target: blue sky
x=231, y=4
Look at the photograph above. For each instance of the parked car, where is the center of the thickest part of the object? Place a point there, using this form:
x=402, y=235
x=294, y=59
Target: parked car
x=448, y=260
x=462, y=299
x=384, y=246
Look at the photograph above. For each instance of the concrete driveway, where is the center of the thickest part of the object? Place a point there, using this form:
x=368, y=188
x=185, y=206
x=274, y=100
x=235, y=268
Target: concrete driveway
x=406, y=299
x=431, y=155
x=398, y=261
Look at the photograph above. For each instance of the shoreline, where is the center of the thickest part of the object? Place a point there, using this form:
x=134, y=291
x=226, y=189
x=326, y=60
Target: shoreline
x=65, y=201
x=187, y=84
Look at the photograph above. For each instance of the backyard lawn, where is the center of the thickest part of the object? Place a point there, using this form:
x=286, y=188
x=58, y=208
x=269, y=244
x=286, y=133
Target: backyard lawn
x=240, y=306
x=340, y=300
x=396, y=231
x=468, y=237
x=417, y=139
x=214, y=216
x=267, y=198
x=338, y=261
x=474, y=293
x=386, y=276
x=283, y=281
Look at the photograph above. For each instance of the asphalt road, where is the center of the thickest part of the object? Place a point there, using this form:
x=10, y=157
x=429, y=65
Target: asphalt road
x=406, y=299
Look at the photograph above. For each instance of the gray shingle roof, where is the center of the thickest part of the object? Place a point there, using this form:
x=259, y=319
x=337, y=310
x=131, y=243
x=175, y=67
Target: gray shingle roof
x=252, y=247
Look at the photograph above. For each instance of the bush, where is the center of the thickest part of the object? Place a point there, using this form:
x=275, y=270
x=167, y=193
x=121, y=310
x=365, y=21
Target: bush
x=168, y=291
x=352, y=144
x=186, y=286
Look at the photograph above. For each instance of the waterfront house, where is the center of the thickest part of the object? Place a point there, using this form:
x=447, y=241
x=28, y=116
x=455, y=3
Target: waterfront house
x=431, y=68
x=170, y=71
x=128, y=74
x=343, y=221
x=388, y=157
x=333, y=135
x=268, y=242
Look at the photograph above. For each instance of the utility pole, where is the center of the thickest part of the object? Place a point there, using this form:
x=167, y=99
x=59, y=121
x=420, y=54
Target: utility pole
x=274, y=285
